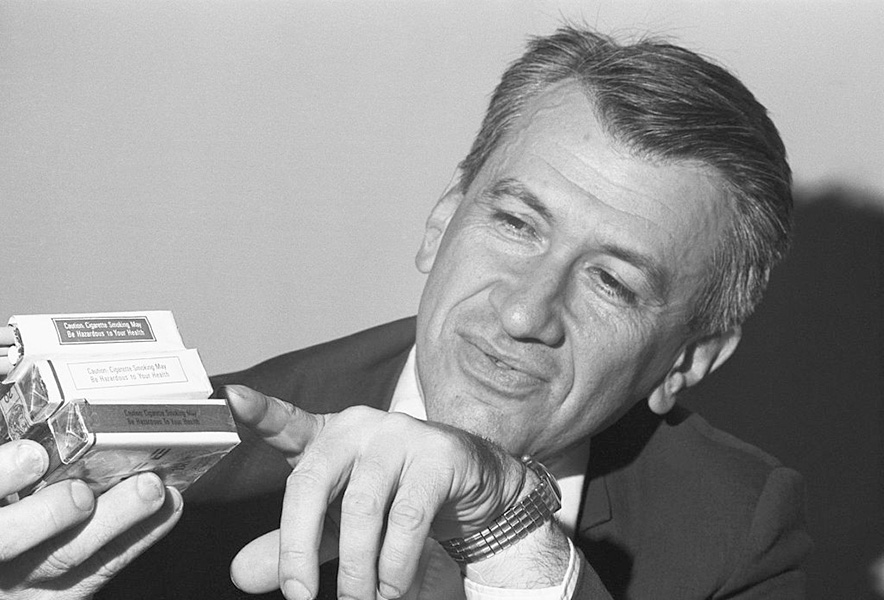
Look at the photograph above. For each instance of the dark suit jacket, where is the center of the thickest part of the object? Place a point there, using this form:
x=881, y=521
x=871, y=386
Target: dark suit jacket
x=672, y=507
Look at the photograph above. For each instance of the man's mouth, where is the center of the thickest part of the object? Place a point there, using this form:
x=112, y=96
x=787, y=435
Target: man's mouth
x=498, y=362
x=499, y=370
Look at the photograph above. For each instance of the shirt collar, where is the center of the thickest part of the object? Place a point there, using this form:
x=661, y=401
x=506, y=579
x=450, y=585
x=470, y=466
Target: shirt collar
x=408, y=397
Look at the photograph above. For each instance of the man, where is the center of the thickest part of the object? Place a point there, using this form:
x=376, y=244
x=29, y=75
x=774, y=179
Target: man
x=614, y=223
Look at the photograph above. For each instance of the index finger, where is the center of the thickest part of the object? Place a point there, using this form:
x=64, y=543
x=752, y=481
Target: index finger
x=280, y=424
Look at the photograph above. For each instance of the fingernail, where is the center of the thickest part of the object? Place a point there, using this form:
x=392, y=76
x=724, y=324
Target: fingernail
x=30, y=460
x=232, y=391
x=177, y=500
x=149, y=487
x=82, y=496
x=295, y=590
x=388, y=591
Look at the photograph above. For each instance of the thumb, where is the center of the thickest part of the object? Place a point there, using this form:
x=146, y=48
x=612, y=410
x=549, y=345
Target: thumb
x=281, y=425
x=255, y=569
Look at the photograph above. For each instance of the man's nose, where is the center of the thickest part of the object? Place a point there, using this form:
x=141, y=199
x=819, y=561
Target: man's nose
x=530, y=302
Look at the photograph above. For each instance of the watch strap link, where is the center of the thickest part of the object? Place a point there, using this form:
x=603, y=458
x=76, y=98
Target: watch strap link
x=515, y=523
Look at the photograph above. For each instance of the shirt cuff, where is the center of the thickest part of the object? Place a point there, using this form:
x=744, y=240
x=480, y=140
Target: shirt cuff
x=562, y=591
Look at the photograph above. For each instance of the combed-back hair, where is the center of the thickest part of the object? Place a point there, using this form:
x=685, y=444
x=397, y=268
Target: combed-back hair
x=664, y=102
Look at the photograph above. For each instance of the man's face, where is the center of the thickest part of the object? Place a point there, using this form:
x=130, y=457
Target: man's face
x=558, y=295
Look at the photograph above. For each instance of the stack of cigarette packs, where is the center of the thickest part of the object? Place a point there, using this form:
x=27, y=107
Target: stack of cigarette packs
x=109, y=395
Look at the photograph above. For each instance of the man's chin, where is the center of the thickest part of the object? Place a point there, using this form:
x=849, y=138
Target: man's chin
x=481, y=420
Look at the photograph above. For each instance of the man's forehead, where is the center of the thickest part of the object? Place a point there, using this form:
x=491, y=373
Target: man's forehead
x=559, y=139
x=559, y=157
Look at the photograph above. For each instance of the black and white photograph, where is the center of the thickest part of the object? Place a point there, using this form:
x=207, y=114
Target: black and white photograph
x=440, y=300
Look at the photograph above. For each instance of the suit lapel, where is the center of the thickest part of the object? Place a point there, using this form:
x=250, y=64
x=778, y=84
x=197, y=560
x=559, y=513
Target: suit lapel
x=596, y=507
x=616, y=448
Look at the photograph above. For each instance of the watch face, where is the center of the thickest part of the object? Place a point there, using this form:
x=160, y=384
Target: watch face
x=555, y=486
x=546, y=476
x=557, y=490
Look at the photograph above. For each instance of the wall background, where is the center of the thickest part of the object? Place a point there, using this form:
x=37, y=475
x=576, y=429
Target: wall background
x=263, y=169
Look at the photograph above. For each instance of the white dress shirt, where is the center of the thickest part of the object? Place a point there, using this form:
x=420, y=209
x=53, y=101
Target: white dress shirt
x=438, y=576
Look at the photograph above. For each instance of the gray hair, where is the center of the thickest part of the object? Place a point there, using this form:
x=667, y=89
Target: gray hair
x=664, y=102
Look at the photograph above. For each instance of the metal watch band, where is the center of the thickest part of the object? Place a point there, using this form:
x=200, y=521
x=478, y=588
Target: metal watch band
x=515, y=523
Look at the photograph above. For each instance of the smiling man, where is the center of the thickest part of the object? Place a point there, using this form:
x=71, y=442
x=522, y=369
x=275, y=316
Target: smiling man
x=613, y=225
x=561, y=282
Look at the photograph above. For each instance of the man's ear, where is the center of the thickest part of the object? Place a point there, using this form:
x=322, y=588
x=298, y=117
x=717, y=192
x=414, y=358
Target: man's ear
x=437, y=223
x=697, y=359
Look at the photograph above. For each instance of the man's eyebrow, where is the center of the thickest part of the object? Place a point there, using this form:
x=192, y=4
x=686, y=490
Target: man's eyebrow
x=516, y=189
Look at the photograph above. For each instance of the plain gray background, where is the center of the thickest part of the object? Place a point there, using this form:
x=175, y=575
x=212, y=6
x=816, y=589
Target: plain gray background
x=264, y=169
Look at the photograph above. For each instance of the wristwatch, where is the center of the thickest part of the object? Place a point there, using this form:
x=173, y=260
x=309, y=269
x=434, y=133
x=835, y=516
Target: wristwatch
x=515, y=523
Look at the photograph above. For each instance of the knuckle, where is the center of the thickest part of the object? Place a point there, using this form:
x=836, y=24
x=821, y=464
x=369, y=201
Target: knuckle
x=108, y=565
x=407, y=516
x=310, y=471
x=294, y=556
x=357, y=414
x=352, y=575
x=360, y=504
x=394, y=561
x=56, y=564
x=404, y=428
x=397, y=419
x=286, y=407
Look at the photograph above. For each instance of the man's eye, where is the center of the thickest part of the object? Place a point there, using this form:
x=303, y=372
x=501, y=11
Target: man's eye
x=515, y=225
x=614, y=288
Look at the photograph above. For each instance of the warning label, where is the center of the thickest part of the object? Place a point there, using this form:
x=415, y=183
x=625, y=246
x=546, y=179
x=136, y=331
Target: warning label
x=103, y=330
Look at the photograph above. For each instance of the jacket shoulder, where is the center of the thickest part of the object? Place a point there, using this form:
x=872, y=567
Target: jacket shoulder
x=361, y=368
x=694, y=508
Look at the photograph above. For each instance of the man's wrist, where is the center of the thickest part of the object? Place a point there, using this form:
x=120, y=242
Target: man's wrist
x=529, y=512
x=539, y=560
x=526, y=548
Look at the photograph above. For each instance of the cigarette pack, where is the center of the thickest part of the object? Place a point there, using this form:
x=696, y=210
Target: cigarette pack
x=109, y=395
x=103, y=442
x=38, y=386
x=91, y=334
x=25, y=399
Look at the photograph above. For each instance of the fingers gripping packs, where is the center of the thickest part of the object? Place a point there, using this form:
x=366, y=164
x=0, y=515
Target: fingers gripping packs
x=109, y=395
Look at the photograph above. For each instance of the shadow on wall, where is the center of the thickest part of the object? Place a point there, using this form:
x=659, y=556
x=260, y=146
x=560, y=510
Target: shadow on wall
x=806, y=382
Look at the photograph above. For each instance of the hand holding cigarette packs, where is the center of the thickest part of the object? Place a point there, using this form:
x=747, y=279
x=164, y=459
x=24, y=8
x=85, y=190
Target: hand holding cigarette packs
x=109, y=395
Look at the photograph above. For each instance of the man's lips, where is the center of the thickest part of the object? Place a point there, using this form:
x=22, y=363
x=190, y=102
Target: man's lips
x=500, y=368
